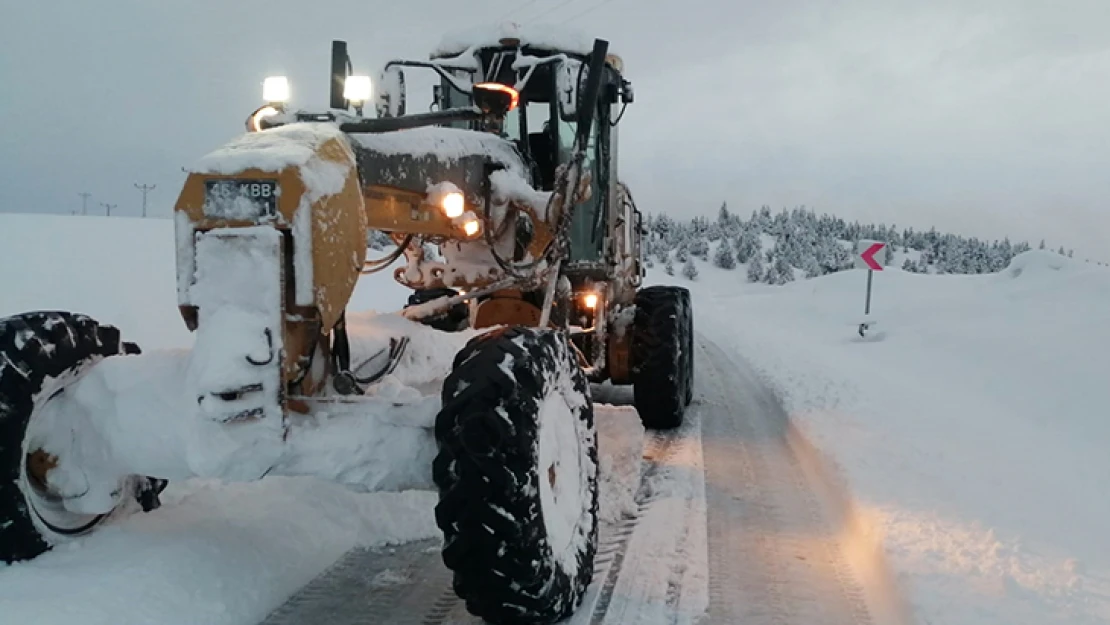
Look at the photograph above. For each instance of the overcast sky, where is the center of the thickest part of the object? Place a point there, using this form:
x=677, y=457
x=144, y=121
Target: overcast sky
x=989, y=118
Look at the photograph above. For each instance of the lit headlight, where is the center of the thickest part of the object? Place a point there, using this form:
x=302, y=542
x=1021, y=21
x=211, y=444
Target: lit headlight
x=472, y=227
x=275, y=89
x=356, y=88
x=453, y=204
x=590, y=300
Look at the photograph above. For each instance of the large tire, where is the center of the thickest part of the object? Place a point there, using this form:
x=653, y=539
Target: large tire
x=517, y=477
x=39, y=353
x=454, y=319
x=662, y=356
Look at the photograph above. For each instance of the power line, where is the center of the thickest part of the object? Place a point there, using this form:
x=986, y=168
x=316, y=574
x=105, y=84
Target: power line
x=145, y=188
x=85, y=202
x=108, y=208
x=553, y=9
x=519, y=8
x=586, y=12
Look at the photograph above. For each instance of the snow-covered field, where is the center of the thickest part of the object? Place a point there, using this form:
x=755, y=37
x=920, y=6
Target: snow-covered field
x=971, y=426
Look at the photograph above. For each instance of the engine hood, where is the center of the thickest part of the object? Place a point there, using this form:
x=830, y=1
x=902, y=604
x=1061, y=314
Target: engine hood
x=415, y=159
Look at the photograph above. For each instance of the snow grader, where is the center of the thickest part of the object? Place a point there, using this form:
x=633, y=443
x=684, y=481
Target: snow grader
x=507, y=220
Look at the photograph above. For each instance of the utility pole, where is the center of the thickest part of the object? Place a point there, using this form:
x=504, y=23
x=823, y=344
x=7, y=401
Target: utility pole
x=84, y=202
x=145, y=188
x=108, y=208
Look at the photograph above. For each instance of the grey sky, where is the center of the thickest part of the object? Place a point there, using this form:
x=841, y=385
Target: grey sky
x=989, y=118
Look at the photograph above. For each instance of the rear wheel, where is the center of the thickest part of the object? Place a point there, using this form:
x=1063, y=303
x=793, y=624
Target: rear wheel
x=39, y=354
x=517, y=477
x=662, y=356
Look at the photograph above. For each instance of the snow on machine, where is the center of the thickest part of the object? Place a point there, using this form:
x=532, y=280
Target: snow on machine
x=521, y=246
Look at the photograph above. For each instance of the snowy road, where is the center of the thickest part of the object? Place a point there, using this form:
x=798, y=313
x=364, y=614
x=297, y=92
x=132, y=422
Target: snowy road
x=736, y=522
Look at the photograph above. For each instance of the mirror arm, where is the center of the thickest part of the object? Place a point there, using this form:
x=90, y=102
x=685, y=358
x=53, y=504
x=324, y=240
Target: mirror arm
x=438, y=68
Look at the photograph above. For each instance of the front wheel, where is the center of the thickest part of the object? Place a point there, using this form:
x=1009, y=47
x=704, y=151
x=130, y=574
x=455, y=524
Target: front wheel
x=39, y=353
x=517, y=477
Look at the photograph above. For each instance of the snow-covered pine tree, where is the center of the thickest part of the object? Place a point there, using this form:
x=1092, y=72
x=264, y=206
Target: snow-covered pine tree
x=748, y=245
x=888, y=255
x=755, y=268
x=690, y=270
x=699, y=247
x=780, y=272
x=668, y=266
x=810, y=266
x=724, y=257
x=909, y=265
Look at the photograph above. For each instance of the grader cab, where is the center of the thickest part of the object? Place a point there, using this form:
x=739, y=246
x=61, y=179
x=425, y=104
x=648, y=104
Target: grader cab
x=505, y=203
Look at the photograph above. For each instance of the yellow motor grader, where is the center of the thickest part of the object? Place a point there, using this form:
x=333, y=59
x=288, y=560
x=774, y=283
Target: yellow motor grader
x=508, y=221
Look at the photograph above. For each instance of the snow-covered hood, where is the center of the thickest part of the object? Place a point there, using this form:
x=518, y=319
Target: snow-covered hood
x=414, y=159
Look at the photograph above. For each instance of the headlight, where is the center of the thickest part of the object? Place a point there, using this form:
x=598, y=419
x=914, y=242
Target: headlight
x=453, y=204
x=275, y=89
x=356, y=88
x=590, y=300
x=472, y=227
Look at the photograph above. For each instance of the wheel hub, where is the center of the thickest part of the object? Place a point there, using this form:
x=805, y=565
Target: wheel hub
x=39, y=464
x=562, y=493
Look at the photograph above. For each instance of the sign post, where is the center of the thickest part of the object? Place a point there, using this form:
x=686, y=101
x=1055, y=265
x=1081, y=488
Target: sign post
x=865, y=259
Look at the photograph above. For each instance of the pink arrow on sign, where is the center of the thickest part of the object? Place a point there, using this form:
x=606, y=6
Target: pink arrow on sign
x=868, y=256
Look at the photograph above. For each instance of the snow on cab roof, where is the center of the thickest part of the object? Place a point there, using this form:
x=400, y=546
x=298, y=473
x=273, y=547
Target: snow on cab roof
x=541, y=36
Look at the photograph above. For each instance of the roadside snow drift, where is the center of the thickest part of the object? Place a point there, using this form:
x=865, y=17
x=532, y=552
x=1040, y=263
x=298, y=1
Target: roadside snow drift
x=971, y=423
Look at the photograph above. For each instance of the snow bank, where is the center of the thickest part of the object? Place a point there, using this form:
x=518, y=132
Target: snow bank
x=972, y=430
x=215, y=554
x=1038, y=262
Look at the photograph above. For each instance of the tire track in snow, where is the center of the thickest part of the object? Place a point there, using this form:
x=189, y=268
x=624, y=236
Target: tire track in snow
x=369, y=586
x=657, y=538
x=775, y=556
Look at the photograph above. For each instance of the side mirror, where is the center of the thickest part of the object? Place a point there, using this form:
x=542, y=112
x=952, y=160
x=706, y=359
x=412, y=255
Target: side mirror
x=570, y=76
x=391, y=92
x=340, y=69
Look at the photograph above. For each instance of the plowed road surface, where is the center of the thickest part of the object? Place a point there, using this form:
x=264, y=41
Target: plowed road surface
x=738, y=522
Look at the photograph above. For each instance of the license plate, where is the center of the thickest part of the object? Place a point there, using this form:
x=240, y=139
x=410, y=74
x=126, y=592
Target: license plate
x=240, y=199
